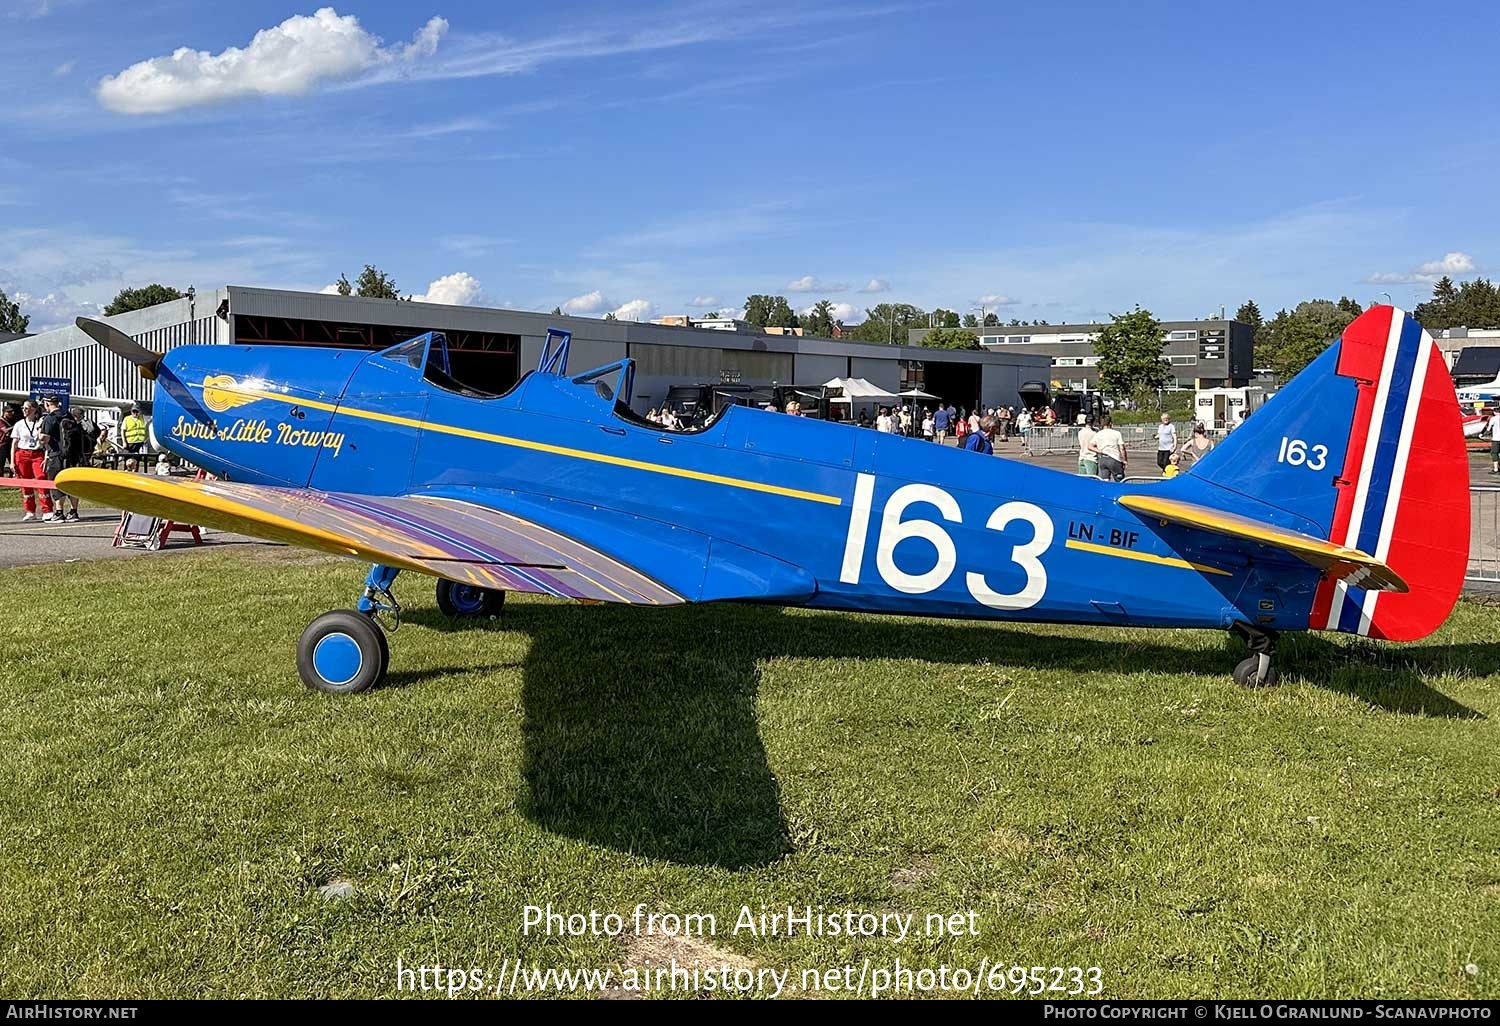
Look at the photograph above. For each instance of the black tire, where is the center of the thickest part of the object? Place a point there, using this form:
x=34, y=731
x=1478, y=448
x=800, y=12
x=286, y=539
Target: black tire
x=463, y=601
x=1245, y=674
x=342, y=652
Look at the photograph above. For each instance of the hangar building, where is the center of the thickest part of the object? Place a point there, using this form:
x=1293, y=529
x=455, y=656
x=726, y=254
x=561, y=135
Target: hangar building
x=491, y=348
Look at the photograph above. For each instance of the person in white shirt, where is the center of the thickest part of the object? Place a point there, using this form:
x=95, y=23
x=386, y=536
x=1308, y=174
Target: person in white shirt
x=1166, y=441
x=927, y=425
x=1109, y=445
x=27, y=455
x=883, y=422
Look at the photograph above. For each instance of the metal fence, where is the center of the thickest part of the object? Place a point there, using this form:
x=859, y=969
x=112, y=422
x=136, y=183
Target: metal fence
x=1484, y=534
x=1139, y=438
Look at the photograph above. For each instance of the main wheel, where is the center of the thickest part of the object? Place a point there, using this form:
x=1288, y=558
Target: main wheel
x=463, y=600
x=1246, y=674
x=342, y=652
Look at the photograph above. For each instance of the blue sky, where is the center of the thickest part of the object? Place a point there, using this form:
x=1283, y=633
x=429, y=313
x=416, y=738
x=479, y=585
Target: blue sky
x=1054, y=161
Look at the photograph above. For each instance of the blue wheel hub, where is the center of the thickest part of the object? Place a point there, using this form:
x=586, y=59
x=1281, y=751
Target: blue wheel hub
x=337, y=658
x=467, y=598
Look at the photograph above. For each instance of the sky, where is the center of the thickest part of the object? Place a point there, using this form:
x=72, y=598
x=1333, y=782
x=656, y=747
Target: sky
x=1058, y=161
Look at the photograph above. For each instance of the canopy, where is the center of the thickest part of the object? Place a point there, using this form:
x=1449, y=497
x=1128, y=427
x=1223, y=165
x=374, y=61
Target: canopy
x=917, y=393
x=857, y=389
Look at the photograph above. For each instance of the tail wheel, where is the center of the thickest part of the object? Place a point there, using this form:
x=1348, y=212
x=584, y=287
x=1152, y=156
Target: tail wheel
x=1247, y=674
x=466, y=600
x=342, y=652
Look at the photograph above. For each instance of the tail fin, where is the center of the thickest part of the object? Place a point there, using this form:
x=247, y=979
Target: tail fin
x=1366, y=447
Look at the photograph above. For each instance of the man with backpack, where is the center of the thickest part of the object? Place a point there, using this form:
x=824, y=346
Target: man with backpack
x=62, y=440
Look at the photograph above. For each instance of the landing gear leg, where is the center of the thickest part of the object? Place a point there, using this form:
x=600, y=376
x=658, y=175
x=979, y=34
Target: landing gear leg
x=345, y=650
x=1256, y=670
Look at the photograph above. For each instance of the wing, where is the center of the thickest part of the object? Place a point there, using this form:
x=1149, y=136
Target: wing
x=462, y=541
x=1355, y=568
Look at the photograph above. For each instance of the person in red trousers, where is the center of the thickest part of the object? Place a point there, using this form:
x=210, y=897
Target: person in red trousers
x=26, y=455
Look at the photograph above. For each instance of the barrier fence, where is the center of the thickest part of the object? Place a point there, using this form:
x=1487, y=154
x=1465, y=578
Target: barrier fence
x=1484, y=534
x=1139, y=438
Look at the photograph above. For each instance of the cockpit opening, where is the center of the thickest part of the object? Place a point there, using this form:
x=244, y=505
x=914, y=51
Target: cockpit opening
x=478, y=374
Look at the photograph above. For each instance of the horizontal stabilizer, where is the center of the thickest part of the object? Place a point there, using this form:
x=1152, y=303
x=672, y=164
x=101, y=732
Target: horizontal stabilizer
x=1354, y=568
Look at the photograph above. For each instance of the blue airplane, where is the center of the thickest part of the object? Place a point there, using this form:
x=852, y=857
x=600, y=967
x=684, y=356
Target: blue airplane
x=1340, y=505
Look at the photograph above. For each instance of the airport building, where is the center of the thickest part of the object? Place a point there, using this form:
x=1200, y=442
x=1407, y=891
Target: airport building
x=491, y=348
x=1202, y=354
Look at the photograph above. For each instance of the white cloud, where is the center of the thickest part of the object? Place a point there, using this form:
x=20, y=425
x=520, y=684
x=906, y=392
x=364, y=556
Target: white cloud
x=586, y=305
x=286, y=60
x=812, y=283
x=54, y=310
x=329, y=290
x=705, y=301
x=457, y=289
x=838, y=311
x=994, y=299
x=876, y=285
x=1451, y=264
x=636, y=310
x=65, y=68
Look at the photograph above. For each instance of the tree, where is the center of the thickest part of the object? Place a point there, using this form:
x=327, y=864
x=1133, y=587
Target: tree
x=991, y=320
x=611, y=316
x=889, y=322
x=951, y=338
x=941, y=318
x=1474, y=304
x=758, y=311
x=11, y=317
x=819, y=323
x=136, y=299
x=1249, y=313
x=372, y=283
x=970, y=321
x=779, y=314
x=1291, y=340
x=1130, y=354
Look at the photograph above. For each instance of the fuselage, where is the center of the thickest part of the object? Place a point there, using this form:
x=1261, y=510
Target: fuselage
x=873, y=522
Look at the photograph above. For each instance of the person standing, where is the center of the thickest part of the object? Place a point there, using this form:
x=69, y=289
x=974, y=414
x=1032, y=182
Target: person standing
x=75, y=446
x=1166, y=441
x=1109, y=445
x=26, y=456
x=883, y=422
x=133, y=432
x=1088, y=460
x=979, y=441
x=940, y=422
x=11, y=415
x=1493, y=425
x=1198, y=444
x=52, y=453
x=927, y=425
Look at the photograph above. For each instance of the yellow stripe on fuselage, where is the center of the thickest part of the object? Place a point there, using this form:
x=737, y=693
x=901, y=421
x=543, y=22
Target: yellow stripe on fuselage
x=1145, y=557
x=526, y=443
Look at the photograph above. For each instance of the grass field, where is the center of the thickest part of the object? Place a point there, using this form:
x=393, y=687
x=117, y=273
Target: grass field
x=1099, y=797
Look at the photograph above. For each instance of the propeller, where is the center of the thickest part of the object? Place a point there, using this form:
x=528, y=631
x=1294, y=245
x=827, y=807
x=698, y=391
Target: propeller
x=151, y=365
x=121, y=344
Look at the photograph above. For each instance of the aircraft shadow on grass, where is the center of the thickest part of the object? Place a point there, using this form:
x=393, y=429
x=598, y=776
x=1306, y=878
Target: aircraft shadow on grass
x=641, y=733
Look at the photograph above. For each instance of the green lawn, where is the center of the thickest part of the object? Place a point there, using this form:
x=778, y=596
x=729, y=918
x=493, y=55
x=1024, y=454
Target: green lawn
x=1099, y=797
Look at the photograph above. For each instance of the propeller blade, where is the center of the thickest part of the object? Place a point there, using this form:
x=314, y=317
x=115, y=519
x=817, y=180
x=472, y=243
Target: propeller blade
x=122, y=345
x=150, y=364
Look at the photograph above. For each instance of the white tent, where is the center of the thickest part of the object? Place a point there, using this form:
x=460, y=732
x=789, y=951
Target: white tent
x=858, y=389
x=917, y=393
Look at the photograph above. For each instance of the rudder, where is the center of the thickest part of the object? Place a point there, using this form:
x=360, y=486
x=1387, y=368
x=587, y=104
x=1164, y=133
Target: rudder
x=1366, y=446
